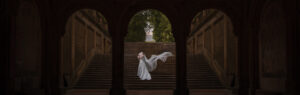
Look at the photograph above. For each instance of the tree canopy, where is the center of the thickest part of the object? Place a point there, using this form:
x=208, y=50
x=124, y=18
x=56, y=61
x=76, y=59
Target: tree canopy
x=162, y=27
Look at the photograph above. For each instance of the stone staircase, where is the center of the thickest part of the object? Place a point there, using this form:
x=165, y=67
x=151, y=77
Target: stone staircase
x=200, y=75
x=97, y=75
x=162, y=78
x=88, y=92
x=158, y=81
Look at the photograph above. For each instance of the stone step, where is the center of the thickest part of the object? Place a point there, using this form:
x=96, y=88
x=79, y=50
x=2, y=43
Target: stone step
x=97, y=70
x=93, y=83
x=148, y=81
x=88, y=92
x=150, y=86
x=155, y=75
x=97, y=74
x=93, y=87
x=95, y=78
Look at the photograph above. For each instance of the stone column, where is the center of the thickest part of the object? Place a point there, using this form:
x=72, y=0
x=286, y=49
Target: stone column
x=95, y=39
x=225, y=44
x=85, y=42
x=4, y=67
x=73, y=30
x=11, y=22
x=181, y=39
x=117, y=58
x=52, y=40
x=212, y=42
x=243, y=61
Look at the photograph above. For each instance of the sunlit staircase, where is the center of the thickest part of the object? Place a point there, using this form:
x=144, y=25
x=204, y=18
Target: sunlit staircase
x=158, y=81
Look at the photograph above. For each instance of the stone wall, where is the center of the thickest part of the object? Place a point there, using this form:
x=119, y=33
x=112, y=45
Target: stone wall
x=212, y=36
x=28, y=50
x=272, y=48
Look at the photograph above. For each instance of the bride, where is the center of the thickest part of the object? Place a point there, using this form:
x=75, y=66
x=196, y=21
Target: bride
x=148, y=65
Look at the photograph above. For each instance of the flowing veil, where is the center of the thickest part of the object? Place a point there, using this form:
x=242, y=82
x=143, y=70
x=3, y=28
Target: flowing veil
x=149, y=65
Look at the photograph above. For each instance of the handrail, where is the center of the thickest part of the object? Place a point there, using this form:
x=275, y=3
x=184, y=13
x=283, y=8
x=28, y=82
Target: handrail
x=217, y=68
x=83, y=65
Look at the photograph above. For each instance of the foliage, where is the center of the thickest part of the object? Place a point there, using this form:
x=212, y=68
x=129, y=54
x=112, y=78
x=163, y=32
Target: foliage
x=162, y=27
x=136, y=28
x=162, y=31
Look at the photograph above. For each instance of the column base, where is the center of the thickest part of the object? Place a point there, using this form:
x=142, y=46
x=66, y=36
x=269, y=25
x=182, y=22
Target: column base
x=243, y=91
x=117, y=91
x=181, y=91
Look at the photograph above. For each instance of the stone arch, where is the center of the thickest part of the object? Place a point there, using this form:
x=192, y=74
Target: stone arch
x=225, y=7
x=159, y=13
x=212, y=42
x=131, y=11
x=73, y=6
x=28, y=48
x=272, y=47
x=86, y=42
x=228, y=11
x=167, y=69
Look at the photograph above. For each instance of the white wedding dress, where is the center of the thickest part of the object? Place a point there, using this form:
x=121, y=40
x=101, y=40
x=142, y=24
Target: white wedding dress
x=148, y=65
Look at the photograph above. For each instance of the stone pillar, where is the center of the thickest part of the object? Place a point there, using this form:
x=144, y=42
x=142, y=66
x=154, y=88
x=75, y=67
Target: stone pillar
x=73, y=30
x=293, y=48
x=95, y=39
x=194, y=46
x=225, y=44
x=212, y=41
x=61, y=81
x=181, y=39
x=86, y=42
x=243, y=61
x=51, y=56
x=12, y=53
x=117, y=59
x=7, y=34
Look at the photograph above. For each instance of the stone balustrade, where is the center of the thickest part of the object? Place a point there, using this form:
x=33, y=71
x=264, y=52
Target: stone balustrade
x=213, y=37
x=82, y=41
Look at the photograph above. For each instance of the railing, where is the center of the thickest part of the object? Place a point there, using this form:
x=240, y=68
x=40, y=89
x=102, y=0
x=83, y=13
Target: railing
x=198, y=30
x=100, y=34
x=213, y=63
x=83, y=65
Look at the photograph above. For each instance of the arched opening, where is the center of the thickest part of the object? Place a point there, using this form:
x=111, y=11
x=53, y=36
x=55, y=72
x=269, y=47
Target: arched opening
x=86, y=52
x=273, y=57
x=150, y=32
x=27, y=50
x=211, y=52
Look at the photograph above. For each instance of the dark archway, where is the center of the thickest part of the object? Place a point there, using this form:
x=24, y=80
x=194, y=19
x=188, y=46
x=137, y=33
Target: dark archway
x=149, y=31
x=273, y=52
x=86, y=54
x=27, y=50
x=211, y=52
x=245, y=17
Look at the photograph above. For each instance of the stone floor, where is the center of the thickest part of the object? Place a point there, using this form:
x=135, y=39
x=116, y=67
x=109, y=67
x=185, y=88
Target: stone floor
x=148, y=92
x=210, y=92
x=88, y=92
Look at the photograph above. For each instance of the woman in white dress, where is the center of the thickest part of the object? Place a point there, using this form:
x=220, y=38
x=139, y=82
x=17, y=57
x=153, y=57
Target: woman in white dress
x=149, y=65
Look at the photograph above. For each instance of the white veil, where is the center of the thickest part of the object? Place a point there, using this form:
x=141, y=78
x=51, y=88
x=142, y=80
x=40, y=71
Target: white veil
x=149, y=65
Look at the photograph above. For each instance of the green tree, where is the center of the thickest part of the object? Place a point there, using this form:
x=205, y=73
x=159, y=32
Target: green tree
x=136, y=28
x=162, y=27
x=163, y=30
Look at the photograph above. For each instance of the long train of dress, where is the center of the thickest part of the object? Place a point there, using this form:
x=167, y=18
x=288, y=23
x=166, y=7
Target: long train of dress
x=149, y=65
